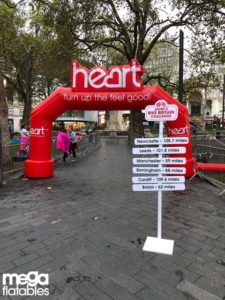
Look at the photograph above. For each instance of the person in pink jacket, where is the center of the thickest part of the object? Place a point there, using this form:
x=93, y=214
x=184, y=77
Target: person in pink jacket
x=63, y=143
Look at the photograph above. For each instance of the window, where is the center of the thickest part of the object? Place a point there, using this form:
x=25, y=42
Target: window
x=11, y=125
x=77, y=114
x=209, y=103
x=195, y=109
x=170, y=51
x=165, y=51
x=10, y=111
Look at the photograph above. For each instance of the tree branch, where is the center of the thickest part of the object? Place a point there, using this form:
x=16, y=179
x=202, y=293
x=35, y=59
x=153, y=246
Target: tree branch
x=126, y=35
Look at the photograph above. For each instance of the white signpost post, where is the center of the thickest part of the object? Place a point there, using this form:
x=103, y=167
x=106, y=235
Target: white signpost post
x=160, y=112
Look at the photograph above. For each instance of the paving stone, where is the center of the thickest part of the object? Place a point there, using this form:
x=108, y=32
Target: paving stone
x=9, y=227
x=9, y=257
x=114, y=290
x=194, y=236
x=220, y=253
x=205, y=233
x=6, y=267
x=8, y=244
x=88, y=290
x=39, y=222
x=191, y=241
x=24, y=259
x=131, y=284
x=215, y=243
x=206, y=270
x=33, y=265
x=155, y=271
x=173, y=262
x=188, y=246
x=19, y=246
x=206, y=254
x=102, y=257
x=196, y=291
x=162, y=288
x=211, y=285
x=70, y=294
x=147, y=293
x=101, y=297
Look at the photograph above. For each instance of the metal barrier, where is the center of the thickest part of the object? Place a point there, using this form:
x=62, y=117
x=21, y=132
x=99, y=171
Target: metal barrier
x=11, y=160
x=207, y=148
x=210, y=149
x=108, y=133
x=86, y=144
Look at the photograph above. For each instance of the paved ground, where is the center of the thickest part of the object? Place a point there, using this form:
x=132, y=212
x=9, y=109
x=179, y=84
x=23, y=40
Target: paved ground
x=86, y=228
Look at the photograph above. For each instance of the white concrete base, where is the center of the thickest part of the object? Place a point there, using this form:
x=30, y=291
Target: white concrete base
x=157, y=245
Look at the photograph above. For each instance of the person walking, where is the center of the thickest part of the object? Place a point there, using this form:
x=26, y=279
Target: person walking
x=24, y=138
x=73, y=143
x=63, y=143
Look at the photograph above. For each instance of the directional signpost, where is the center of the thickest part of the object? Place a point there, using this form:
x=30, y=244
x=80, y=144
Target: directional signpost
x=158, y=166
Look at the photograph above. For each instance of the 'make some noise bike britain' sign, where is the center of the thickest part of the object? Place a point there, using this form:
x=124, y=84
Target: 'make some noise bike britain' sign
x=155, y=164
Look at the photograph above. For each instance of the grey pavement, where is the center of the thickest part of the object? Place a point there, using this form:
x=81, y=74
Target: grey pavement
x=86, y=228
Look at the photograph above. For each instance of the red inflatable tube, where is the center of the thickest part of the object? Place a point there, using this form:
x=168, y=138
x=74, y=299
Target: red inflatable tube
x=210, y=167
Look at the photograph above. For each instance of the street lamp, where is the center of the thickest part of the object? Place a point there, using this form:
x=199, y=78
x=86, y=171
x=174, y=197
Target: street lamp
x=181, y=67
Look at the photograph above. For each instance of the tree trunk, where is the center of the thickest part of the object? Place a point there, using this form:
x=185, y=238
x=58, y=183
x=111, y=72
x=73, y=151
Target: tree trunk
x=26, y=112
x=204, y=107
x=4, y=125
x=3, y=114
x=28, y=90
x=136, y=128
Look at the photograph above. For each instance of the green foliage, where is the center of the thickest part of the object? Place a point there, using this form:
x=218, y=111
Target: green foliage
x=32, y=58
x=36, y=48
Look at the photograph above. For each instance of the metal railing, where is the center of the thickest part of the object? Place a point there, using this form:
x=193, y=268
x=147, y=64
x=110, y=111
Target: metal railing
x=12, y=161
x=86, y=144
x=210, y=149
x=109, y=133
x=207, y=148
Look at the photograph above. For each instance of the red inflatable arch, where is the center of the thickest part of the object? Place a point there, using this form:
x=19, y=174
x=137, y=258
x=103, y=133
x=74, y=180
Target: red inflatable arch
x=119, y=88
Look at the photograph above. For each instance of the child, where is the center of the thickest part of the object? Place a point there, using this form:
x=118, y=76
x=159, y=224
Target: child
x=24, y=137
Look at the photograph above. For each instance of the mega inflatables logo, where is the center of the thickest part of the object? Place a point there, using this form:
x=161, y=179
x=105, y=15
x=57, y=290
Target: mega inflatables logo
x=30, y=284
x=121, y=79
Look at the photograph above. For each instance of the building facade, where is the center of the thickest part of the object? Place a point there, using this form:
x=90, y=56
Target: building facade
x=162, y=65
x=15, y=114
x=78, y=120
x=205, y=107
